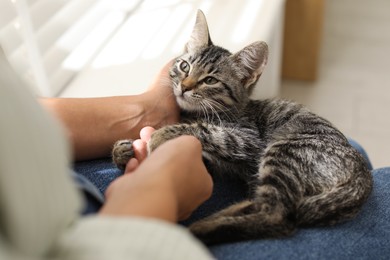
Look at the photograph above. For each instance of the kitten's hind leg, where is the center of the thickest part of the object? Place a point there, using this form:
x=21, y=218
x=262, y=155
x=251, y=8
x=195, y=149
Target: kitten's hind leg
x=245, y=220
x=122, y=153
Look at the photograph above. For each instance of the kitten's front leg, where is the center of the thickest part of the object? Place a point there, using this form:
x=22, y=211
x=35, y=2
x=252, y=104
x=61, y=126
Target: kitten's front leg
x=226, y=148
x=164, y=134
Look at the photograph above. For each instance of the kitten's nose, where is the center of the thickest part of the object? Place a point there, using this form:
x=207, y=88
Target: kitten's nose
x=188, y=84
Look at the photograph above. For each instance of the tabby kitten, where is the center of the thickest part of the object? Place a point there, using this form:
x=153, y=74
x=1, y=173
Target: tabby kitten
x=301, y=170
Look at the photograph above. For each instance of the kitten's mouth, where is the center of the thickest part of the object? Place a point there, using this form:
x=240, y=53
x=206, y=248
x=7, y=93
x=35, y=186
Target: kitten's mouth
x=185, y=102
x=180, y=96
x=182, y=99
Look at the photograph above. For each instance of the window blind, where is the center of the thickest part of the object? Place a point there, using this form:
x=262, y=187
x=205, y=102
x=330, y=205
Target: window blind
x=38, y=36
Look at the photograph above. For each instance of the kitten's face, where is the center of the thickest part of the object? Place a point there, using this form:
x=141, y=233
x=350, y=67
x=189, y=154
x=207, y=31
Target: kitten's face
x=205, y=81
x=208, y=78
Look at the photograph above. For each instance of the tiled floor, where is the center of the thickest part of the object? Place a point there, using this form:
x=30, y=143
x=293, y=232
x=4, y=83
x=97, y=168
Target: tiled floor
x=353, y=89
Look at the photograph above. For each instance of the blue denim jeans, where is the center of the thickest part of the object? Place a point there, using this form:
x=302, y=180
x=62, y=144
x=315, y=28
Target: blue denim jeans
x=365, y=237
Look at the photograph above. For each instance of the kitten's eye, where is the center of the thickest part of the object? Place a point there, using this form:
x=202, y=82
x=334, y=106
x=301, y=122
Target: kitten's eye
x=184, y=66
x=210, y=80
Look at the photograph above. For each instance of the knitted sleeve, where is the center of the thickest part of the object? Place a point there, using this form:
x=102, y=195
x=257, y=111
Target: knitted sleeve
x=128, y=238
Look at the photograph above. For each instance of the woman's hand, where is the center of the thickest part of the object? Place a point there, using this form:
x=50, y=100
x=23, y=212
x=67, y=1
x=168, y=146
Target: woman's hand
x=160, y=100
x=170, y=184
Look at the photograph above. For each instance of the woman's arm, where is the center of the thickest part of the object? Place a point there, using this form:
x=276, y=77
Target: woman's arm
x=94, y=124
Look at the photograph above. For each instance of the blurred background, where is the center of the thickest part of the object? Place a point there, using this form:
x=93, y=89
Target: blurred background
x=352, y=86
x=331, y=55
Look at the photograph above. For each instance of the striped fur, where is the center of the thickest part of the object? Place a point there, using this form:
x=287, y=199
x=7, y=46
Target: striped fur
x=300, y=169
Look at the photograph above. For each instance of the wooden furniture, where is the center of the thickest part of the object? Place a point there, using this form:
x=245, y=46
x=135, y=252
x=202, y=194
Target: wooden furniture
x=302, y=38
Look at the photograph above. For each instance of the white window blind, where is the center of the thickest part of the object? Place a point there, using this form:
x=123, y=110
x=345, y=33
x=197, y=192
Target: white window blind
x=40, y=36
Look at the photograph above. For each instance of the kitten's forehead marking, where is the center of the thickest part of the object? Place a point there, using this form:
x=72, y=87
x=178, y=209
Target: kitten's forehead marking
x=212, y=58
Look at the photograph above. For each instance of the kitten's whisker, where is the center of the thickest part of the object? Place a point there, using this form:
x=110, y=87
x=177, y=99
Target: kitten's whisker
x=213, y=110
x=230, y=116
x=222, y=109
x=206, y=113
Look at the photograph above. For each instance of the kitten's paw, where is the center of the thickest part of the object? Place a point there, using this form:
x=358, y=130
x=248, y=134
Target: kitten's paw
x=122, y=153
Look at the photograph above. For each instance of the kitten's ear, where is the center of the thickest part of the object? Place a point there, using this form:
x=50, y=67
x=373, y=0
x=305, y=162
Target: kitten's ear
x=252, y=59
x=200, y=37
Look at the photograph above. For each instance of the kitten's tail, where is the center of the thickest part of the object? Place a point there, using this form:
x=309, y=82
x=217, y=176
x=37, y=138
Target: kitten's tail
x=249, y=219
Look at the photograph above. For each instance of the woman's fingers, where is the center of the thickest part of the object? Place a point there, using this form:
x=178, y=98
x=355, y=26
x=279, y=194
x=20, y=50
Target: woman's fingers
x=140, y=149
x=146, y=133
x=131, y=165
